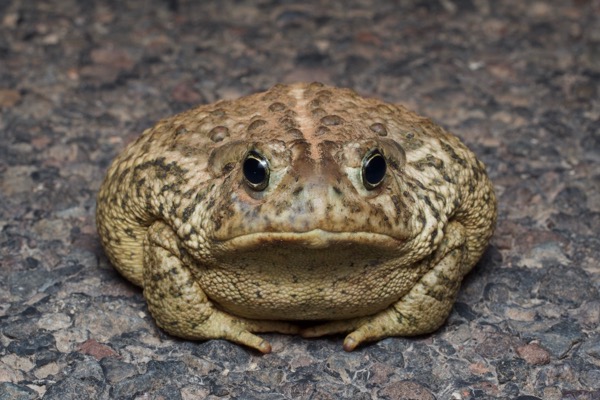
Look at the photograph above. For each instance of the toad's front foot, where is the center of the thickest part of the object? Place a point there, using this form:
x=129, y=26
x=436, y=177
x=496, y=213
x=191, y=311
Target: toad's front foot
x=422, y=310
x=179, y=305
x=239, y=330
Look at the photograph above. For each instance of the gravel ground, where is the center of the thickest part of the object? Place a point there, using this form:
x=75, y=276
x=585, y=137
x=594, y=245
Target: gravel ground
x=518, y=81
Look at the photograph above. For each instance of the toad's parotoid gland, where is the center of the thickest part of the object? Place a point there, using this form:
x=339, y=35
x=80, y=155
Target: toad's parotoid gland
x=302, y=203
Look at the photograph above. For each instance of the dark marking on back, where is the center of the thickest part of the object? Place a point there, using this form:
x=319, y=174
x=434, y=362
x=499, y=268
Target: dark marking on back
x=277, y=106
x=161, y=168
x=434, y=211
x=314, y=103
x=123, y=175
x=218, y=133
x=295, y=133
x=180, y=130
x=187, y=212
x=318, y=113
x=129, y=232
x=332, y=120
x=398, y=204
x=322, y=130
x=450, y=151
x=432, y=238
x=288, y=123
x=379, y=129
x=256, y=124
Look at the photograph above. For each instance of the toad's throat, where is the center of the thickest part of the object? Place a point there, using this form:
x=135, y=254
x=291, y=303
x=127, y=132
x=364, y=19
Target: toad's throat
x=306, y=276
x=327, y=262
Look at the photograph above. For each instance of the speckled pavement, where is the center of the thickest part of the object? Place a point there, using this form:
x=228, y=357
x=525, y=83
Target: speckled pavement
x=518, y=81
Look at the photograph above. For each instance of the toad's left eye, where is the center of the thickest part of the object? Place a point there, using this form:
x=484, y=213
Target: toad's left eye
x=256, y=171
x=373, y=169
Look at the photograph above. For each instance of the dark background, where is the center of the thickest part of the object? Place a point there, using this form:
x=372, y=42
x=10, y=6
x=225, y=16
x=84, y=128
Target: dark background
x=516, y=80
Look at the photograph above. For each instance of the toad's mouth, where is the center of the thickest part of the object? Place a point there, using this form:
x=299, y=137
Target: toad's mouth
x=316, y=239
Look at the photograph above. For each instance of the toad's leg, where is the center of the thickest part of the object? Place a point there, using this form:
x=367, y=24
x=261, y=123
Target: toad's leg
x=423, y=309
x=179, y=305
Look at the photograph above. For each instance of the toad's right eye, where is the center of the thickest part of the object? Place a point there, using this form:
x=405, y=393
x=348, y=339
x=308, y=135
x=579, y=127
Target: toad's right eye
x=373, y=169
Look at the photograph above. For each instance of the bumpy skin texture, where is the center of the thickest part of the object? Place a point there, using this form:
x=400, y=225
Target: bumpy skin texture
x=219, y=259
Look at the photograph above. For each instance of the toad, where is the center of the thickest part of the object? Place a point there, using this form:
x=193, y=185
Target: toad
x=302, y=203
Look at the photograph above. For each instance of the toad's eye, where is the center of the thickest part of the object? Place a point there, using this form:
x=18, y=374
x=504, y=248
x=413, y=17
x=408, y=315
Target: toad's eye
x=256, y=170
x=373, y=169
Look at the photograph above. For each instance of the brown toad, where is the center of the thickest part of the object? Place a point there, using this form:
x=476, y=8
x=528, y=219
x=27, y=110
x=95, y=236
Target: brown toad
x=302, y=203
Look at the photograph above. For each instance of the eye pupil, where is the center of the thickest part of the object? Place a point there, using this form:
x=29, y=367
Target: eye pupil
x=373, y=170
x=256, y=171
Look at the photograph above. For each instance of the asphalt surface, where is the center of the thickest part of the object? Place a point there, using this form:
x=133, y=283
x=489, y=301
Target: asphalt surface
x=516, y=80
